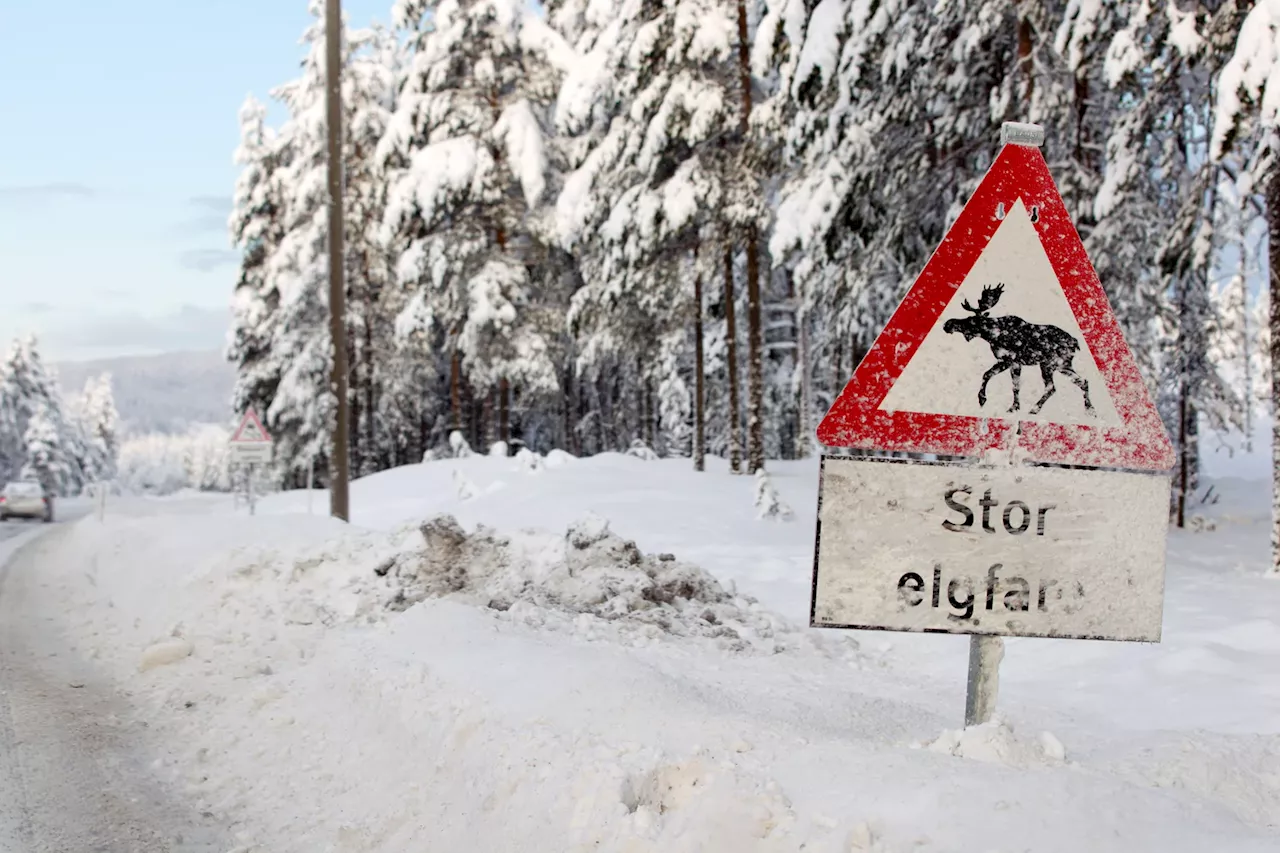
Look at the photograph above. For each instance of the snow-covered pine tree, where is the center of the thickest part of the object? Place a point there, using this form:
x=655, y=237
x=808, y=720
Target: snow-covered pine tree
x=1245, y=121
x=257, y=226
x=301, y=409
x=1159, y=201
x=97, y=422
x=371, y=78
x=880, y=150
x=654, y=112
x=26, y=388
x=295, y=271
x=46, y=460
x=468, y=163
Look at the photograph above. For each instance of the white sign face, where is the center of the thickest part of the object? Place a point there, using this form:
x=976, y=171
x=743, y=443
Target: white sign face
x=1016, y=551
x=970, y=360
x=251, y=453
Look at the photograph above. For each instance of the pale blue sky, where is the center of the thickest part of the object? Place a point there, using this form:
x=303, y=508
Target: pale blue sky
x=118, y=126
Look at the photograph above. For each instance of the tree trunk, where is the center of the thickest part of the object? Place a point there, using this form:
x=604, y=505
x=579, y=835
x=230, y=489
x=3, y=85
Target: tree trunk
x=1273, y=261
x=699, y=431
x=755, y=356
x=731, y=340
x=803, y=439
x=755, y=346
x=370, y=395
x=504, y=411
x=569, y=404
x=358, y=367
x=455, y=386
x=651, y=421
x=1184, y=468
x=1024, y=55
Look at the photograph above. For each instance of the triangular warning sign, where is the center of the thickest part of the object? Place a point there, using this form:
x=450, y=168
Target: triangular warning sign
x=251, y=430
x=1008, y=305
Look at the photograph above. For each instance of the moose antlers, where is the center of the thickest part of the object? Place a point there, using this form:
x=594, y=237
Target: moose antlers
x=990, y=296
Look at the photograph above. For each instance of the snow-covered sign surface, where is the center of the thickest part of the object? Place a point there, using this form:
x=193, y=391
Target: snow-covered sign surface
x=1005, y=348
x=251, y=443
x=1034, y=552
x=1006, y=339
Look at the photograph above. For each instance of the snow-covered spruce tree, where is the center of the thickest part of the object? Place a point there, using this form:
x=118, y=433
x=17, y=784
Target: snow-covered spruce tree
x=1159, y=201
x=468, y=164
x=27, y=387
x=655, y=113
x=372, y=76
x=97, y=422
x=1247, y=113
x=880, y=150
x=257, y=226
x=301, y=410
x=46, y=460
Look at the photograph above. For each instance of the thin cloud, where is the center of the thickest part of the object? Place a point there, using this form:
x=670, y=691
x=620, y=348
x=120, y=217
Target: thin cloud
x=190, y=327
x=218, y=203
x=41, y=192
x=214, y=212
x=35, y=307
x=208, y=260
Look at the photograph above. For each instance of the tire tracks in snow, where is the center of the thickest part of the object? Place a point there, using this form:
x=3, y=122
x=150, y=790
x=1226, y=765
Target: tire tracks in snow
x=73, y=770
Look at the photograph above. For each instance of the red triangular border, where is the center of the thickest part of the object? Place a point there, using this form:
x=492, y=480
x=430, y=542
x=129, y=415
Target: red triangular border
x=855, y=420
x=250, y=415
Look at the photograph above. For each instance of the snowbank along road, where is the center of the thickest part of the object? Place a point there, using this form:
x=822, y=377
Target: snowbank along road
x=73, y=765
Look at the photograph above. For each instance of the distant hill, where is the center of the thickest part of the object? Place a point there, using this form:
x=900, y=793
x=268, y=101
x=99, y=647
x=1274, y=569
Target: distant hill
x=160, y=393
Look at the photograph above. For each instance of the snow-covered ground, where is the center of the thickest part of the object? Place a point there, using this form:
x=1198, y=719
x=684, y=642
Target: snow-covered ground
x=532, y=682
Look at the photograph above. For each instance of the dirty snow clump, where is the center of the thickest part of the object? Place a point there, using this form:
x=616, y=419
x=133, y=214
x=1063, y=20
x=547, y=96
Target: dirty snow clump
x=591, y=582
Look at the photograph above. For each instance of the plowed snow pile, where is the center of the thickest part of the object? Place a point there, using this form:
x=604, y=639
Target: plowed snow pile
x=589, y=582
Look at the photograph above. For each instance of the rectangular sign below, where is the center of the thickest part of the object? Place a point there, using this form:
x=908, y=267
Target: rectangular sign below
x=251, y=452
x=1016, y=551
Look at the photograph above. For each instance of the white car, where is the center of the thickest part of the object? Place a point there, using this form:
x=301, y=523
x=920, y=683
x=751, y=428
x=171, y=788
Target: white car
x=25, y=500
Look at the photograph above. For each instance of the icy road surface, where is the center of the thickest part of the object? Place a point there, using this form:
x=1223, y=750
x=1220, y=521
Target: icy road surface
x=74, y=772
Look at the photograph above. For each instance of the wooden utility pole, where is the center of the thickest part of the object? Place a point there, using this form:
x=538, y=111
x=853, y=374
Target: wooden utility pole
x=338, y=502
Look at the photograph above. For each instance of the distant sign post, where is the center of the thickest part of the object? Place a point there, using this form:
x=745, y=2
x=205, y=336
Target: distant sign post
x=250, y=445
x=1047, y=516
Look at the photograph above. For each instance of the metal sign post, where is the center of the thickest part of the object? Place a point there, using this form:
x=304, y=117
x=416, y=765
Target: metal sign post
x=1049, y=518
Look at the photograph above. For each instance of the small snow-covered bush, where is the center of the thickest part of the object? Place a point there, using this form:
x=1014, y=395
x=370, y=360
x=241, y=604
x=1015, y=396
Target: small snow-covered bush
x=558, y=457
x=461, y=449
x=768, y=503
x=640, y=450
x=527, y=460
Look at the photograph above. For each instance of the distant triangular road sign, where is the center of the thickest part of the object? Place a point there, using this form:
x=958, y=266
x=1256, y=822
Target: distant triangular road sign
x=1005, y=339
x=251, y=430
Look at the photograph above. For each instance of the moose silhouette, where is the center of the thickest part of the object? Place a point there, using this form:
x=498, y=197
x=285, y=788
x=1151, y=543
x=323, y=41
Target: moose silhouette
x=1016, y=343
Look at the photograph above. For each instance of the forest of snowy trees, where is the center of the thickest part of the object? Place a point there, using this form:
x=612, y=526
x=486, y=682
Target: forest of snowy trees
x=682, y=222
x=65, y=445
